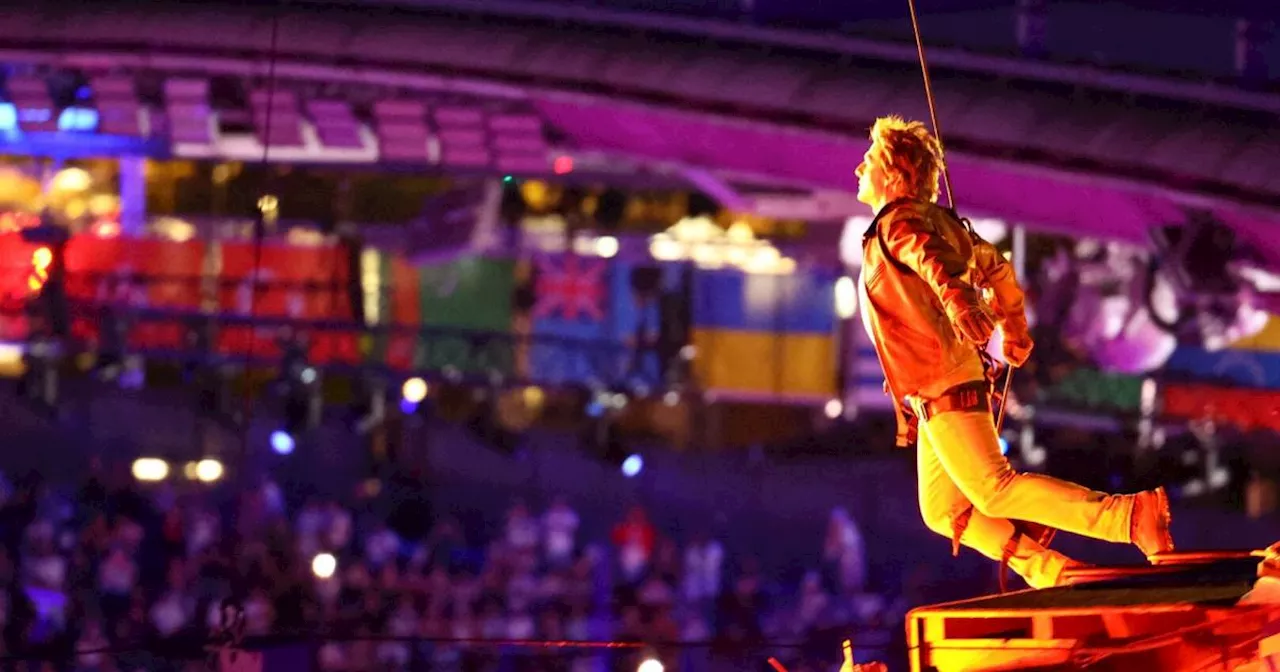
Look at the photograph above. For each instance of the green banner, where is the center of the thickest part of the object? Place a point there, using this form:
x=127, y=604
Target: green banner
x=1096, y=390
x=470, y=293
x=473, y=293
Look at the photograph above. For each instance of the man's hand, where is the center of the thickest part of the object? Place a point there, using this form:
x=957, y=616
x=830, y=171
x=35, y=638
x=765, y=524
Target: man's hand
x=971, y=321
x=1016, y=348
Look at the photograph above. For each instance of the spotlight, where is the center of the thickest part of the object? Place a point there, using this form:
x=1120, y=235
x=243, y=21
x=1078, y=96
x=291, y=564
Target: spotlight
x=632, y=466
x=833, y=409
x=282, y=442
x=414, y=390
x=71, y=179
x=606, y=247
x=324, y=565
x=846, y=294
x=208, y=470
x=150, y=469
x=650, y=665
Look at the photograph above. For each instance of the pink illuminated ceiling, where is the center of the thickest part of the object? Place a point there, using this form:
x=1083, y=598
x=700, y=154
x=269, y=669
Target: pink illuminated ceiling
x=1078, y=204
x=1049, y=157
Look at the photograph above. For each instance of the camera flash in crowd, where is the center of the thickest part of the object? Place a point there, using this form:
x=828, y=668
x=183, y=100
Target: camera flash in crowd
x=650, y=665
x=324, y=565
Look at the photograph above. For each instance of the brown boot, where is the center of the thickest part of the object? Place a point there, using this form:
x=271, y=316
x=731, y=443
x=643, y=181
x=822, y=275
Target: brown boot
x=1149, y=523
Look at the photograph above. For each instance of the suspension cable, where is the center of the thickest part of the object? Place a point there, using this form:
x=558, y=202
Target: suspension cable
x=946, y=172
x=928, y=96
x=259, y=235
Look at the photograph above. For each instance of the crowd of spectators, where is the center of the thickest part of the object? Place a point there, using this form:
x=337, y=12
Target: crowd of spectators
x=144, y=574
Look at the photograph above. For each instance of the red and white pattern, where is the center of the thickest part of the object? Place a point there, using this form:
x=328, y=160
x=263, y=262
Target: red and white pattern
x=570, y=287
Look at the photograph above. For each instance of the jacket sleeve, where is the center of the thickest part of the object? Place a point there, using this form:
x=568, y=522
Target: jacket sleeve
x=915, y=243
x=1003, y=282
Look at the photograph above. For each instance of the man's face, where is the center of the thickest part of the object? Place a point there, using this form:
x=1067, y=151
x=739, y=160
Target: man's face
x=871, y=182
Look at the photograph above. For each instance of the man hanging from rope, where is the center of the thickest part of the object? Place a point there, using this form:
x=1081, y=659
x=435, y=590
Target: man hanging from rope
x=933, y=294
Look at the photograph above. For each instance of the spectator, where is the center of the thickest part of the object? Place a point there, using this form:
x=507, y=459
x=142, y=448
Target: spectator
x=843, y=554
x=522, y=534
x=812, y=604
x=172, y=612
x=337, y=528
x=202, y=530
x=258, y=613
x=117, y=576
x=381, y=546
x=445, y=542
x=403, y=622
x=532, y=583
x=309, y=527
x=560, y=526
x=90, y=647
x=634, y=539
x=703, y=561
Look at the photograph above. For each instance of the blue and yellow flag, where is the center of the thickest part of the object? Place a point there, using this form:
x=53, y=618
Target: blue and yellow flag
x=1253, y=361
x=765, y=337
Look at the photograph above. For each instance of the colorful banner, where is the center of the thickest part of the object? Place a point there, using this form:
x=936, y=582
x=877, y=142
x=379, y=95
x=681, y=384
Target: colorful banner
x=1246, y=409
x=401, y=290
x=1248, y=368
x=763, y=366
x=295, y=282
x=134, y=274
x=472, y=295
x=176, y=277
x=765, y=336
x=99, y=273
x=1090, y=389
x=1266, y=340
x=469, y=293
x=584, y=316
x=15, y=273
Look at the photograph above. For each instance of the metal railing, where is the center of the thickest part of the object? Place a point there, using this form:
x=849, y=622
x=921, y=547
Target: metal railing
x=322, y=651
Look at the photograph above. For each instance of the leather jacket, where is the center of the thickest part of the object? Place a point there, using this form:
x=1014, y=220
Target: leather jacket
x=920, y=266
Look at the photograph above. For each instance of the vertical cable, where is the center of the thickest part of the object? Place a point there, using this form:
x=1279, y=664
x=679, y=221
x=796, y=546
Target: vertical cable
x=259, y=233
x=928, y=95
x=946, y=173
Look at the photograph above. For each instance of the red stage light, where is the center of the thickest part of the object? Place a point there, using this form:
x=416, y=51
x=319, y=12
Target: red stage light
x=563, y=165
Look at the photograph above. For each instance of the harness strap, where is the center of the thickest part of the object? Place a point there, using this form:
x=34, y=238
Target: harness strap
x=1010, y=547
x=958, y=526
x=973, y=396
x=1043, y=535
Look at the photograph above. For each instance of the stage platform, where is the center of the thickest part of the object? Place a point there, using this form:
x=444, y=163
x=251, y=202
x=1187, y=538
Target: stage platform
x=1179, y=613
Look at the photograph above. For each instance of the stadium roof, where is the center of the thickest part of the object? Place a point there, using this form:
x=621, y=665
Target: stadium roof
x=1063, y=156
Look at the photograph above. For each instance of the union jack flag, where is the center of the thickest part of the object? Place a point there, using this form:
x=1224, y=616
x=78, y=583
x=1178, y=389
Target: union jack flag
x=572, y=288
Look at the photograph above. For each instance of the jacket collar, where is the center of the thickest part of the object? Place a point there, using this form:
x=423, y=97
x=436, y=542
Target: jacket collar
x=888, y=207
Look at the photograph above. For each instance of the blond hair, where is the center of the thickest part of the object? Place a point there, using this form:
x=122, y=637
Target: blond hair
x=910, y=156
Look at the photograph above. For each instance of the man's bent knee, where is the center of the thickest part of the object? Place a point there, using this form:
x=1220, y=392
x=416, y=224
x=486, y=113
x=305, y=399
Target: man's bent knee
x=939, y=521
x=990, y=497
